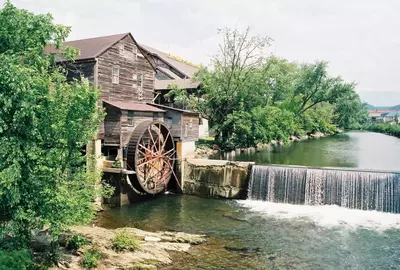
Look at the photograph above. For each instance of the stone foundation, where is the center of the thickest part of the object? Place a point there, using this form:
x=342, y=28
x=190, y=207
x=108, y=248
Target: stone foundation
x=216, y=178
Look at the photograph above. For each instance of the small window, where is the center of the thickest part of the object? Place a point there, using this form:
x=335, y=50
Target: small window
x=200, y=121
x=155, y=115
x=140, y=86
x=130, y=119
x=115, y=75
x=169, y=122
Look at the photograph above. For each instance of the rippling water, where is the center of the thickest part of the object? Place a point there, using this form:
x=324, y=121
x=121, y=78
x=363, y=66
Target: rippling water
x=262, y=235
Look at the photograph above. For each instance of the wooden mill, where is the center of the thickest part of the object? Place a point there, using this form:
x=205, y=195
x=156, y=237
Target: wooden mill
x=138, y=139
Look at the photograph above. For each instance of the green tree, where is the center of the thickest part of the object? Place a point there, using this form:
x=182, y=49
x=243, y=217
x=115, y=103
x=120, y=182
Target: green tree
x=351, y=112
x=44, y=123
x=234, y=74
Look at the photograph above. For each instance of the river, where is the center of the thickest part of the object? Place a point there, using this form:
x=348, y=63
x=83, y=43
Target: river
x=249, y=234
x=363, y=150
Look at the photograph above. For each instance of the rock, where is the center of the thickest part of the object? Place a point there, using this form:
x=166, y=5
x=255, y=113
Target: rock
x=40, y=240
x=153, y=250
x=152, y=239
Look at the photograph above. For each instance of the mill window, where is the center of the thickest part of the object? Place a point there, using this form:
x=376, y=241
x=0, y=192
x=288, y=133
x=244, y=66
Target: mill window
x=130, y=119
x=115, y=75
x=140, y=86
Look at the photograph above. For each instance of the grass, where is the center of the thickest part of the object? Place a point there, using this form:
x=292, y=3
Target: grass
x=91, y=258
x=205, y=142
x=76, y=241
x=125, y=241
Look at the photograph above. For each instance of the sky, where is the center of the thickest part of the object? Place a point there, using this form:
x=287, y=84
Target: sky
x=359, y=38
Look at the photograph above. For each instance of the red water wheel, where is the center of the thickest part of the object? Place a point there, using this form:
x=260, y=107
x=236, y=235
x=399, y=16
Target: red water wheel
x=151, y=154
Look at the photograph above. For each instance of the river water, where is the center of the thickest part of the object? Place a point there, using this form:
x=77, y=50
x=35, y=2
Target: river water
x=251, y=234
x=365, y=150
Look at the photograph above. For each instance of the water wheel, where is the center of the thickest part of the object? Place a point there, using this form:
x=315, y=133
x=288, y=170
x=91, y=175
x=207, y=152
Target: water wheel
x=151, y=154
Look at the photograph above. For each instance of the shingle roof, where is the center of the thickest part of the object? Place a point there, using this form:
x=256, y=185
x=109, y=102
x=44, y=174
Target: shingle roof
x=91, y=47
x=184, y=68
x=184, y=83
x=174, y=109
x=391, y=114
x=129, y=106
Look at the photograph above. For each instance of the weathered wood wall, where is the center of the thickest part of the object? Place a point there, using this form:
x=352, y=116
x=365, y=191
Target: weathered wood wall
x=76, y=70
x=112, y=125
x=190, y=127
x=173, y=121
x=138, y=117
x=130, y=68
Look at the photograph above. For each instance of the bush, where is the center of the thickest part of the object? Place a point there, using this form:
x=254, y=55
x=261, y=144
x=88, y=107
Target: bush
x=91, y=258
x=16, y=260
x=125, y=241
x=390, y=129
x=76, y=241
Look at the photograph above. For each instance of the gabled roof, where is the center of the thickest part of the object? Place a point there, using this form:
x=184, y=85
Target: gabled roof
x=184, y=83
x=391, y=114
x=130, y=106
x=94, y=47
x=174, y=109
x=182, y=67
x=91, y=48
x=168, y=72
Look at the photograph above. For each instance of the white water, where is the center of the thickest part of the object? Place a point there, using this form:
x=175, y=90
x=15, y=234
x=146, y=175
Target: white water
x=326, y=215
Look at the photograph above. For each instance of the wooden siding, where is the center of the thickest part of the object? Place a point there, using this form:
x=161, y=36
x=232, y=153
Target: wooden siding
x=112, y=125
x=173, y=122
x=126, y=90
x=76, y=70
x=190, y=122
x=138, y=117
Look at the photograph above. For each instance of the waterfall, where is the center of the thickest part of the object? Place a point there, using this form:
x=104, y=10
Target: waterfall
x=363, y=190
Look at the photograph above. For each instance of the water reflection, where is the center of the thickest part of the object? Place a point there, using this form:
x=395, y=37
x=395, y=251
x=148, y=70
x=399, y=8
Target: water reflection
x=364, y=150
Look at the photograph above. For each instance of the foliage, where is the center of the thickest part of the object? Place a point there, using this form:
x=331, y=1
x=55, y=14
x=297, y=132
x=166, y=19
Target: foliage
x=16, y=260
x=251, y=98
x=76, y=241
x=125, y=241
x=351, y=113
x=44, y=123
x=390, y=129
x=91, y=258
x=178, y=96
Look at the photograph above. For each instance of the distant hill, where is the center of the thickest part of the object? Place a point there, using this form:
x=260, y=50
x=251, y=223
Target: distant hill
x=383, y=108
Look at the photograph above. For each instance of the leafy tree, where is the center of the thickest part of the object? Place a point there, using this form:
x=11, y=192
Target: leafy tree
x=227, y=85
x=44, y=123
x=178, y=96
x=250, y=97
x=351, y=112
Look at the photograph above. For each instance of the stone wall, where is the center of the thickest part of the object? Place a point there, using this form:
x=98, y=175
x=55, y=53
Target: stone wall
x=216, y=178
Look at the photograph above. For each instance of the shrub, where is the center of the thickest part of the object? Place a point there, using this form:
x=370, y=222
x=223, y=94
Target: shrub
x=16, y=260
x=125, y=241
x=76, y=241
x=91, y=258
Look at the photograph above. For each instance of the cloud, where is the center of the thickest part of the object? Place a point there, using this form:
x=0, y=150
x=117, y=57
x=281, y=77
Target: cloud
x=359, y=38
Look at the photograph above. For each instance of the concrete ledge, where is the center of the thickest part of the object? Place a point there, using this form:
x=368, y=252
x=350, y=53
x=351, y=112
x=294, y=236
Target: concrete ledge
x=216, y=178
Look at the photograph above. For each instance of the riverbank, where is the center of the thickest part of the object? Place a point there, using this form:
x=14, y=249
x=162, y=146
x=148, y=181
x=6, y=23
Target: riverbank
x=384, y=128
x=207, y=147
x=123, y=248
